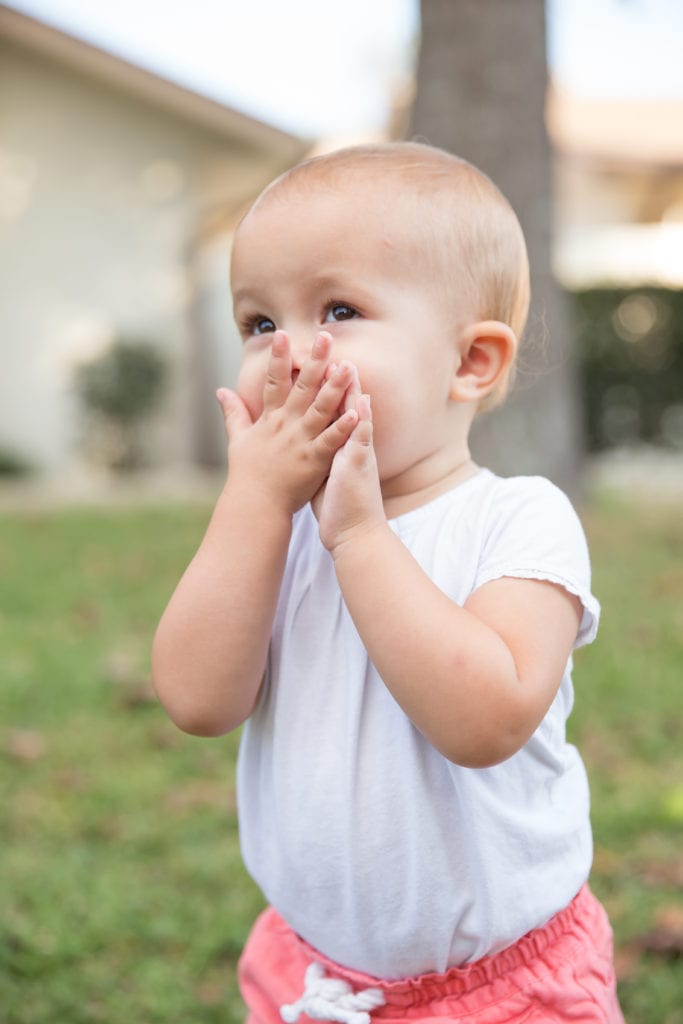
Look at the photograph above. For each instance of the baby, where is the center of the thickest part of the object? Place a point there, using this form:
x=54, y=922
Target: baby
x=393, y=623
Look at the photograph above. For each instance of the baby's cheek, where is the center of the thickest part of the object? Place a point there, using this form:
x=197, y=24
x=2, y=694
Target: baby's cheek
x=250, y=389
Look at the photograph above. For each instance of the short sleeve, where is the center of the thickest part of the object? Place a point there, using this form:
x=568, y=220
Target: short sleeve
x=533, y=532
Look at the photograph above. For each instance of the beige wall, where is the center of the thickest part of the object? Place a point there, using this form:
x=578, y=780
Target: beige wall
x=102, y=198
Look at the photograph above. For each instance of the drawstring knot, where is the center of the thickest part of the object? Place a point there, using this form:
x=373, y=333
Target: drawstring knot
x=332, y=999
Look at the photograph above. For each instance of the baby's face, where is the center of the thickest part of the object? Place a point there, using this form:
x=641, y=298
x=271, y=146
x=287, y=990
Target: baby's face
x=312, y=260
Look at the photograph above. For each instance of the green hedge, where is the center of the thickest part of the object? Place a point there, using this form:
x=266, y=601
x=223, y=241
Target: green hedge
x=630, y=345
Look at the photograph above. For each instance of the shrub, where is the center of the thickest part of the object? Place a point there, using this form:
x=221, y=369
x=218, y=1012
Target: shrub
x=630, y=351
x=119, y=390
x=12, y=464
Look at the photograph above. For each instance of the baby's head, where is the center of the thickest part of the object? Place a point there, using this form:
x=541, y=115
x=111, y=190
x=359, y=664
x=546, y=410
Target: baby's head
x=456, y=228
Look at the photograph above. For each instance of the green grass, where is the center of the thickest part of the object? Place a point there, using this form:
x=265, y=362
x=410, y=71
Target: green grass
x=123, y=898
x=123, y=895
x=628, y=723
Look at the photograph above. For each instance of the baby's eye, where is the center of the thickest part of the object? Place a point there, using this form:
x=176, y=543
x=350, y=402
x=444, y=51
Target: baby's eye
x=261, y=325
x=340, y=311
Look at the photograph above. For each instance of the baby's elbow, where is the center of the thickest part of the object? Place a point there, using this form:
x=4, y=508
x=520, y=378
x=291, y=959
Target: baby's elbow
x=195, y=720
x=201, y=727
x=483, y=754
x=492, y=743
x=188, y=711
x=487, y=755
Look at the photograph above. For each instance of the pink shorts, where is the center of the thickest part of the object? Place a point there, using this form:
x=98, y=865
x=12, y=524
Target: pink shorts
x=558, y=973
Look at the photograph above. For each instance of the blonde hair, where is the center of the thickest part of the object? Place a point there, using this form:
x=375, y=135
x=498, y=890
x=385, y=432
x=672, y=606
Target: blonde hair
x=469, y=239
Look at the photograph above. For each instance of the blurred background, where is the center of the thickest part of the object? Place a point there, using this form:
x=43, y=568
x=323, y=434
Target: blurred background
x=132, y=138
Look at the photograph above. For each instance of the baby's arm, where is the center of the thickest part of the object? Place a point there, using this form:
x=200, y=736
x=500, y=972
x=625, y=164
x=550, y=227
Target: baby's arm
x=475, y=680
x=210, y=648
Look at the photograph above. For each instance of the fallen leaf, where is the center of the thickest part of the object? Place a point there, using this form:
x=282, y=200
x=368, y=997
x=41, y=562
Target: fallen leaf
x=165, y=736
x=211, y=993
x=121, y=669
x=202, y=793
x=86, y=615
x=670, y=917
x=26, y=745
x=661, y=872
x=606, y=861
x=72, y=780
x=138, y=694
x=666, y=938
x=626, y=960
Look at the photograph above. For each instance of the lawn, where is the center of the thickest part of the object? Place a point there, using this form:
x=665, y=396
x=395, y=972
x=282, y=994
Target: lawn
x=123, y=898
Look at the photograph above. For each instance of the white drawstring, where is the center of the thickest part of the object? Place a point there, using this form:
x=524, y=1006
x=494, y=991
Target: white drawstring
x=332, y=999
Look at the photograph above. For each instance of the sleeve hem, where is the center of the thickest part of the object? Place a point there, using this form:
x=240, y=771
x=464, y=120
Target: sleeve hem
x=588, y=627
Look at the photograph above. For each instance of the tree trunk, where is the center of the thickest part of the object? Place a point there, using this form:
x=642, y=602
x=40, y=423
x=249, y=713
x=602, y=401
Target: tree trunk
x=481, y=87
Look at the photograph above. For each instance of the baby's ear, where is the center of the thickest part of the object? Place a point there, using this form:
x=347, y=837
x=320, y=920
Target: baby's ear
x=487, y=350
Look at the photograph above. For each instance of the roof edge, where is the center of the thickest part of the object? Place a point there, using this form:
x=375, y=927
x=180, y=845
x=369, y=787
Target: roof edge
x=91, y=59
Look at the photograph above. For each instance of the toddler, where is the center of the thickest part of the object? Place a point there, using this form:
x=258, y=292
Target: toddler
x=393, y=623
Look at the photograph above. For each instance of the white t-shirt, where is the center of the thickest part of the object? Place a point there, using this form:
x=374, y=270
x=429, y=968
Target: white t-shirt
x=376, y=849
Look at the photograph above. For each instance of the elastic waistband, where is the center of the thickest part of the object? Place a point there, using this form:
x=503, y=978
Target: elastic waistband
x=575, y=921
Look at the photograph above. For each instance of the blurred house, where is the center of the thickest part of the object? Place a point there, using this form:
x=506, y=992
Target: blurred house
x=118, y=192
x=618, y=198
x=619, y=190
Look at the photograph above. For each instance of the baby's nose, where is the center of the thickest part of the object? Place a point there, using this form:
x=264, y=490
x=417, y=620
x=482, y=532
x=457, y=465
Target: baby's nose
x=301, y=347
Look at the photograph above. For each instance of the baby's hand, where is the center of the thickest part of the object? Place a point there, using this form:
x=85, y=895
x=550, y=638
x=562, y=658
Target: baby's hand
x=351, y=501
x=286, y=453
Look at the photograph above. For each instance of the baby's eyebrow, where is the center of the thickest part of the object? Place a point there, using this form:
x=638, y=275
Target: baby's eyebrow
x=341, y=286
x=338, y=284
x=242, y=295
x=335, y=279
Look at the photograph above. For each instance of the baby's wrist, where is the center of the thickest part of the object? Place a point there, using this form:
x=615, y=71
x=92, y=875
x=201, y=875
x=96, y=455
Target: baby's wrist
x=355, y=541
x=256, y=497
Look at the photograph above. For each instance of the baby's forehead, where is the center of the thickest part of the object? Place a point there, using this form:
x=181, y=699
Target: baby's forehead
x=346, y=238
x=383, y=183
x=391, y=208
x=409, y=226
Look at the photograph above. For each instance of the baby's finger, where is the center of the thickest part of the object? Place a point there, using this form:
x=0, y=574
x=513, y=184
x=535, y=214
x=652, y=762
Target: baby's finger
x=278, y=381
x=338, y=433
x=235, y=412
x=312, y=374
x=364, y=407
x=329, y=401
x=353, y=392
x=361, y=436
